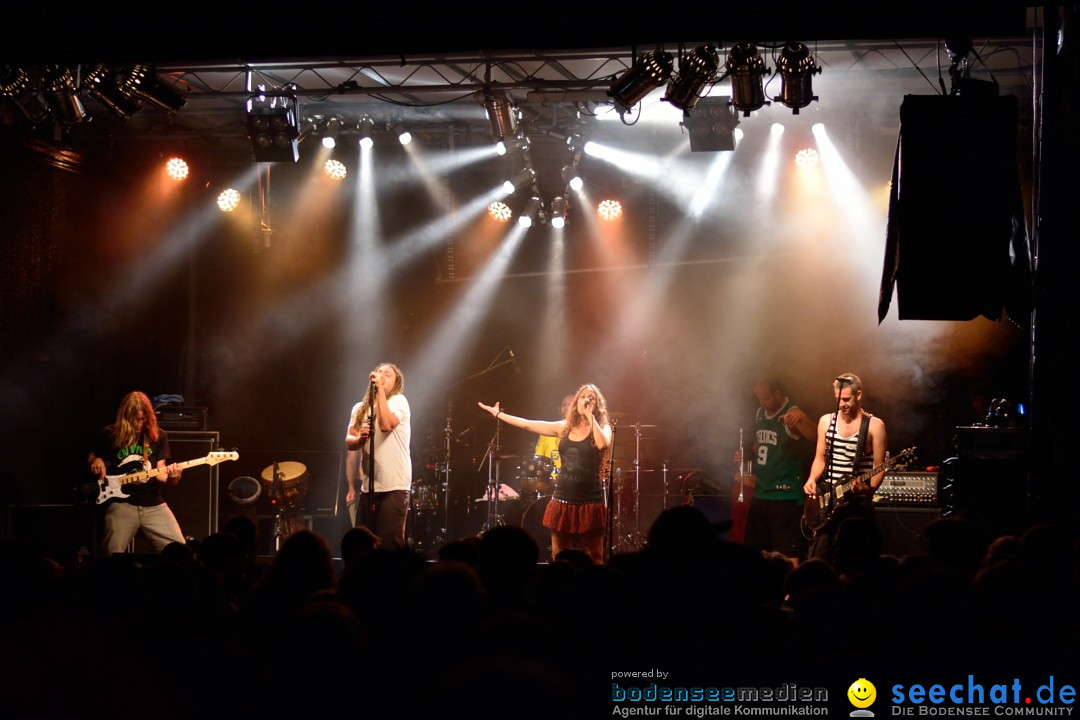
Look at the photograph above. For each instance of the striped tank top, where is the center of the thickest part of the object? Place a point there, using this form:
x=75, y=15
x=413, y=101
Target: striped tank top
x=843, y=461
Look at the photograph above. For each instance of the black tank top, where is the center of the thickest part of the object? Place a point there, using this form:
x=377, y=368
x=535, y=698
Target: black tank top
x=579, y=477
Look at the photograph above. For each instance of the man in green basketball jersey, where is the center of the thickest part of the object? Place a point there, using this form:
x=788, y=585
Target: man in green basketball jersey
x=782, y=446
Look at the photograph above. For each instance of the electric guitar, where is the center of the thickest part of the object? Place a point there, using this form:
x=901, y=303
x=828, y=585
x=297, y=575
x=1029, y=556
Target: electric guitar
x=111, y=486
x=819, y=510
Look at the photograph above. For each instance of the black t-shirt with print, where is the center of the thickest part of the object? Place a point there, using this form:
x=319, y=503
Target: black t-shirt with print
x=125, y=460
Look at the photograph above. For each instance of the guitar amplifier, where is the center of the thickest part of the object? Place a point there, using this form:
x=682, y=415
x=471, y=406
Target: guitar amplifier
x=908, y=489
x=180, y=417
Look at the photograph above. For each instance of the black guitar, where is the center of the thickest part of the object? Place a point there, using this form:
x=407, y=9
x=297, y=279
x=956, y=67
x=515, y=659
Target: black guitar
x=819, y=510
x=112, y=486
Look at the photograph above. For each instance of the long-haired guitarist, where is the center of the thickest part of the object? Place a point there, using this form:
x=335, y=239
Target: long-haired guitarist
x=838, y=456
x=134, y=443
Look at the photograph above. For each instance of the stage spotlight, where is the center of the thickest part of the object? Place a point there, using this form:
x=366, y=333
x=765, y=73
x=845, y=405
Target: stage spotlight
x=500, y=211
x=273, y=122
x=335, y=169
x=609, y=210
x=366, y=126
x=523, y=179
x=100, y=83
x=807, y=157
x=501, y=114
x=59, y=88
x=16, y=85
x=559, y=208
x=516, y=142
x=141, y=83
x=650, y=72
x=711, y=125
x=797, y=69
x=177, y=169
x=746, y=70
x=695, y=70
x=571, y=177
x=404, y=136
x=228, y=200
x=530, y=213
x=330, y=134
x=590, y=148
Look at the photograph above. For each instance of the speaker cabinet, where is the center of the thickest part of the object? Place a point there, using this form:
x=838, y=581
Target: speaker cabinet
x=902, y=528
x=988, y=479
x=956, y=206
x=193, y=500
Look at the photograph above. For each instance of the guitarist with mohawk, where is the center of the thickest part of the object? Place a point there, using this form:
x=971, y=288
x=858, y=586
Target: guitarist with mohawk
x=135, y=443
x=849, y=442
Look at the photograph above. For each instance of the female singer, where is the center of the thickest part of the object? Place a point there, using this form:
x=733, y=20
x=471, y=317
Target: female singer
x=576, y=514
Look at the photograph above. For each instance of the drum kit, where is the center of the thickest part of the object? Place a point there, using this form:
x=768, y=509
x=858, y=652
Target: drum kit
x=449, y=499
x=520, y=499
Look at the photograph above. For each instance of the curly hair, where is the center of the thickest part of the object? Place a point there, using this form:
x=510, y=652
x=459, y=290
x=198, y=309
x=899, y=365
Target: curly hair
x=599, y=410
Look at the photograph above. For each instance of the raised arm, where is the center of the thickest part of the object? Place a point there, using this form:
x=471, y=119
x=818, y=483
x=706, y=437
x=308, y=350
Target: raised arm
x=540, y=427
x=799, y=422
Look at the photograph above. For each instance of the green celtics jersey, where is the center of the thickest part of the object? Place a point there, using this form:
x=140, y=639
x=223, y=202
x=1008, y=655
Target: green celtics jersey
x=779, y=465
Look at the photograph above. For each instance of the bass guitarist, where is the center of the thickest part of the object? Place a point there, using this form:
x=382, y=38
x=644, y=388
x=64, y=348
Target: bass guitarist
x=849, y=441
x=135, y=443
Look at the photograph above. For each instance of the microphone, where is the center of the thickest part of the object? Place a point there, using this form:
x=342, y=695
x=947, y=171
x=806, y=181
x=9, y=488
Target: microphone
x=843, y=379
x=517, y=370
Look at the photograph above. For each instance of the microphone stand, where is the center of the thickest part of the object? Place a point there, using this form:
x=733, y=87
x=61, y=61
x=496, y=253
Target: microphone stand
x=494, y=486
x=447, y=443
x=831, y=435
x=609, y=501
x=371, y=456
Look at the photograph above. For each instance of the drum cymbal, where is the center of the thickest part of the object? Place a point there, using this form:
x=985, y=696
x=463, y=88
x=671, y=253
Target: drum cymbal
x=288, y=470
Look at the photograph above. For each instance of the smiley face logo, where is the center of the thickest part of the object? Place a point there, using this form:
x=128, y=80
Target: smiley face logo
x=862, y=693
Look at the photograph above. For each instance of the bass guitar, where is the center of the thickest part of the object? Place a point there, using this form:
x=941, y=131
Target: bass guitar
x=111, y=486
x=819, y=510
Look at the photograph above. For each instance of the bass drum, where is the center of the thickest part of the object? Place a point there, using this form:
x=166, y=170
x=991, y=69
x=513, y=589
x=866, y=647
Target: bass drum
x=532, y=521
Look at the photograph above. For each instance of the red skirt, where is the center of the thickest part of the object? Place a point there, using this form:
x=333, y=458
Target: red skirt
x=577, y=519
